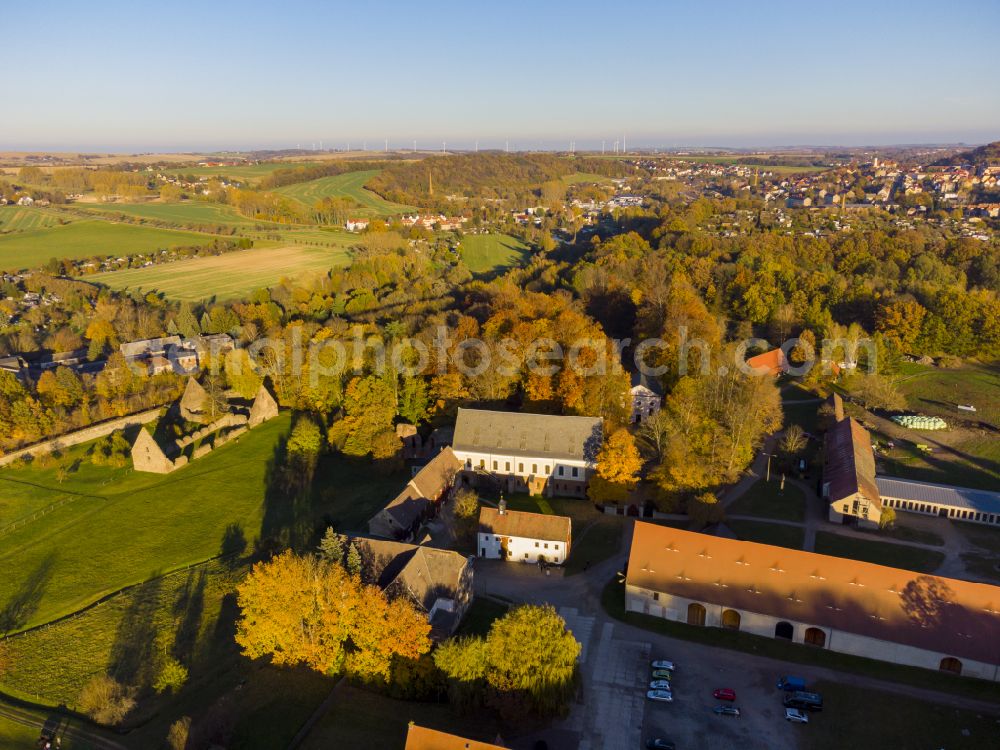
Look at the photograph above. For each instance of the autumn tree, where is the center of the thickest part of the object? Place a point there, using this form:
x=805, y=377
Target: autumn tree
x=105, y=700
x=306, y=610
x=527, y=663
x=877, y=391
x=618, y=465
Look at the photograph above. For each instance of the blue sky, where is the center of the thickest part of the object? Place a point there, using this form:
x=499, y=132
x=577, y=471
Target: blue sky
x=241, y=75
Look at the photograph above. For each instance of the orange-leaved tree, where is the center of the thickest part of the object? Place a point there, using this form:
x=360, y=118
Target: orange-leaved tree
x=307, y=610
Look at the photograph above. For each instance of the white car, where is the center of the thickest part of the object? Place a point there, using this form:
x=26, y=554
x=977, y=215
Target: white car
x=660, y=695
x=660, y=685
x=796, y=716
x=663, y=664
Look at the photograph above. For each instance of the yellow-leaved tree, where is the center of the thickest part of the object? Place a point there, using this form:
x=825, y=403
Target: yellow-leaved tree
x=618, y=465
x=307, y=610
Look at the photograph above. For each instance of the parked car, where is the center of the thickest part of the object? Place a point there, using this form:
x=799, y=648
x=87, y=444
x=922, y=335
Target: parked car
x=725, y=694
x=658, y=743
x=665, y=696
x=802, y=699
x=662, y=674
x=791, y=683
x=660, y=685
x=663, y=664
x=727, y=711
x=796, y=716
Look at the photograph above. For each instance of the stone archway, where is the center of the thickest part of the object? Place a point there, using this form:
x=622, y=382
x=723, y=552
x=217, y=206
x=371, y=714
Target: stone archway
x=731, y=619
x=951, y=664
x=815, y=637
x=784, y=630
x=696, y=614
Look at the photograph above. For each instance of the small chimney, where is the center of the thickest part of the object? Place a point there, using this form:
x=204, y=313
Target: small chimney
x=502, y=505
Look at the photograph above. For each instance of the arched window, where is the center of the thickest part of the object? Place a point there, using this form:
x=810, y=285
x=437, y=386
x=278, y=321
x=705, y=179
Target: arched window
x=815, y=637
x=696, y=614
x=951, y=664
x=731, y=619
x=784, y=630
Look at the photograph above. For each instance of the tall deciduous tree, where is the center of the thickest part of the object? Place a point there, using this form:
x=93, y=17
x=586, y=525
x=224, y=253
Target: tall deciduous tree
x=306, y=610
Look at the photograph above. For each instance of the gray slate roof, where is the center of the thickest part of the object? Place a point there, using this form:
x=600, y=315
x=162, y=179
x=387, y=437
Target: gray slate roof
x=531, y=435
x=981, y=501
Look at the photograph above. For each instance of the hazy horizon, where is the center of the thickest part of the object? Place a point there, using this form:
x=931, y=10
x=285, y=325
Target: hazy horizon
x=116, y=77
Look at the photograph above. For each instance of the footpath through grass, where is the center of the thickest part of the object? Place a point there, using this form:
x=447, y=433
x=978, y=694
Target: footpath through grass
x=613, y=602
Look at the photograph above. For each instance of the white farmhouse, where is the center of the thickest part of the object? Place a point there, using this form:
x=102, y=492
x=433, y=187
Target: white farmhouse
x=523, y=537
x=534, y=453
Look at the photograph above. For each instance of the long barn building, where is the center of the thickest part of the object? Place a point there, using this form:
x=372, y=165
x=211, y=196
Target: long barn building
x=827, y=602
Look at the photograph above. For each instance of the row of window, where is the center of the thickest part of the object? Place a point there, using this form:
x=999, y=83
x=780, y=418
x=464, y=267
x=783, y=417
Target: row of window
x=555, y=545
x=560, y=470
x=959, y=513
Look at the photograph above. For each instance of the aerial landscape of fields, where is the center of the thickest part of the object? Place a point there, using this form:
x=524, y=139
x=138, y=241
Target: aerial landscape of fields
x=473, y=377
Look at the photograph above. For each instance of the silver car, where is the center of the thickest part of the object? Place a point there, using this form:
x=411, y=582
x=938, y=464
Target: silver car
x=663, y=664
x=660, y=685
x=796, y=716
x=663, y=696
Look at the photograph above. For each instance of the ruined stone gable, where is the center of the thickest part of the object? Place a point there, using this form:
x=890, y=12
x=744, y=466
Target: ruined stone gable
x=148, y=456
x=264, y=407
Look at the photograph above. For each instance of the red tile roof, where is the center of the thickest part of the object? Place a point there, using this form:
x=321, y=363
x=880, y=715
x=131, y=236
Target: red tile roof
x=525, y=525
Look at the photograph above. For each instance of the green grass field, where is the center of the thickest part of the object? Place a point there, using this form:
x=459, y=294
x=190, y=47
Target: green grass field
x=244, y=173
x=25, y=219
x=126, y=527
x=361, y=719
x=484, y=253
x=762, y=532
x=902, y=556
x=578, y=177
x=931, y=390
x=184, y=213
x=765, y=499
x=349, y=185
x=228, y=276
x=85, y=239
x=910, y=723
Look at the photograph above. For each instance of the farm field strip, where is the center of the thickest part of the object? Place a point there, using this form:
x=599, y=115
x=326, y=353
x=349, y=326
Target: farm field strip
x=186, y=212
x=86, y=239
x=226, y=276
x=349, y=185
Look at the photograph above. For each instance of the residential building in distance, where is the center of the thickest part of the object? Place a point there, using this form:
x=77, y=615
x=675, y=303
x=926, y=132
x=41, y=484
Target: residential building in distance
x=422, y=738
x=772, y=363
x=534, y=453
x=828, y=602
x=849, y=475
x=437, y=581
x=523, y=537
x=403, y=516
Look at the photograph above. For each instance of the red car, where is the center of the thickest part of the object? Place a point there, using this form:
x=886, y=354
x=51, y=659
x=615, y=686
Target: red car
x=725, y=694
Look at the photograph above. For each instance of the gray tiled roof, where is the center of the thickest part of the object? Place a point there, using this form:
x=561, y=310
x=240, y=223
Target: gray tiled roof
x=518, y=434
x=981, y=501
